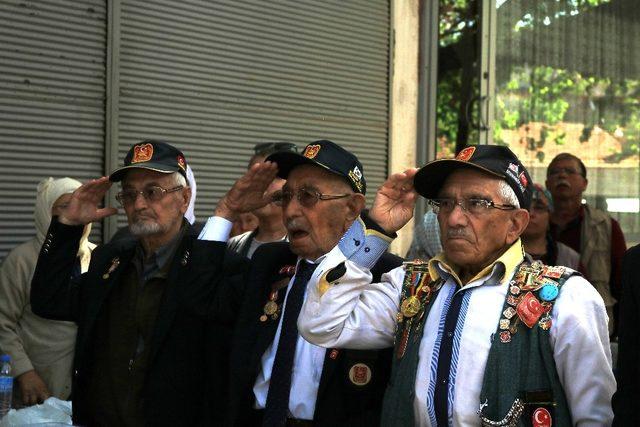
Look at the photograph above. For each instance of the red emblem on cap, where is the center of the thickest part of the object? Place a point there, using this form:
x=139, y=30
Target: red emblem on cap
x=541, y=418
x=311, y=151
x=529, y=310
x=523, y=179
x=142, y=153
x=465, y=154
x=182, y=163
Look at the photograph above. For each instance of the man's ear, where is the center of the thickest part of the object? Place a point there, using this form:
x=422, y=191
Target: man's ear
x=186, y=198
x=355, y=205
x=519, y=221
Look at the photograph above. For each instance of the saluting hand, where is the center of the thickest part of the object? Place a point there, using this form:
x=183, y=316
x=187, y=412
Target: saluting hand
x=84, y=206
x=248, y=192
x=394, y=202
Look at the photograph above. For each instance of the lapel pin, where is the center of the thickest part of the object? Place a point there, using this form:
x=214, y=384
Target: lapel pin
x=114, y=264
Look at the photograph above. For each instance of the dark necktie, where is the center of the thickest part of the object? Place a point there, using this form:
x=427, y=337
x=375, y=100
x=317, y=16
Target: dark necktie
x=277, y=407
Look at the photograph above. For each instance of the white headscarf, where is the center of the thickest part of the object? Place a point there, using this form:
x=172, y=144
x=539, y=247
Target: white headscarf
x=49, y=190
x=190, y=214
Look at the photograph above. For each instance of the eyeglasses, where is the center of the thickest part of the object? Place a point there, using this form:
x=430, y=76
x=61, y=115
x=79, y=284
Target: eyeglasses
x=474, y=206
x=306, y=197
x=567, y=171
x=273, y=147
x=152, y=194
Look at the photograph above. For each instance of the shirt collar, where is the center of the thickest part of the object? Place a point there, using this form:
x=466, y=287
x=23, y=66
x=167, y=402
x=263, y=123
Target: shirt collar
x=439, y=267
x=154, y=265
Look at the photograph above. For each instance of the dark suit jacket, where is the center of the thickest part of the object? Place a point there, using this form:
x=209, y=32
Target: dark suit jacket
x=184, y=384
x=627, y=398
x=339, y=402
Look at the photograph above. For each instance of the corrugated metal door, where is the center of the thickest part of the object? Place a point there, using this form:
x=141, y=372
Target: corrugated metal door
x=215, y=78
x=52, y=90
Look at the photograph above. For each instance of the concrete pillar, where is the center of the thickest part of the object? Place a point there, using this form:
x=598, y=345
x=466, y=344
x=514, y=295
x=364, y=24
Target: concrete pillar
x=403, y=98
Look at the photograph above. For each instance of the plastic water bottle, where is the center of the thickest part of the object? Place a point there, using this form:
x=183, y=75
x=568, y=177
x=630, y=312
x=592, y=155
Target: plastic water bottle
x=6, y=385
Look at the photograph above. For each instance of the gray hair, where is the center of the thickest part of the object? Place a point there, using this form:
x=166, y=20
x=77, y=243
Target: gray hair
x=179, y=179
x=507, y=194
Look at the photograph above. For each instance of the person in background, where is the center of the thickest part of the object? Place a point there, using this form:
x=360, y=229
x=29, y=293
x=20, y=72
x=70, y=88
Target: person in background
x=426, y=238
x=627, y=397
x=592, y=233
x=270, y=226
x=41, y=350
x=537, y=239
x=245, y=222
x=190, y=214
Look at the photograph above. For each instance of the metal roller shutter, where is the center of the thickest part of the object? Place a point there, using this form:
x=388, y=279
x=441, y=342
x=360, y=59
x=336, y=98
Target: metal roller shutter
x=52, y=91
x=215, y=78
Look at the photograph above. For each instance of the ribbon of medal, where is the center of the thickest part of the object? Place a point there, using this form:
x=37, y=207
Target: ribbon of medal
x=416, y=294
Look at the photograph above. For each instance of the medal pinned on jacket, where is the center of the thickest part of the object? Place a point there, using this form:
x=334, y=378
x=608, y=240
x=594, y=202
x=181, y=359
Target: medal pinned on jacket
x=115, y=262
x=417, y=291
x=530, y=299
x=271, y=309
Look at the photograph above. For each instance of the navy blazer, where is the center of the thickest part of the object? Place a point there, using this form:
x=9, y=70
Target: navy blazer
x=340, y=401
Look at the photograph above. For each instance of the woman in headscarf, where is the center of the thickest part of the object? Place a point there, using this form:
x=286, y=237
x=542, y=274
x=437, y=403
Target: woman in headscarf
x=537, y=239
x=41, y=350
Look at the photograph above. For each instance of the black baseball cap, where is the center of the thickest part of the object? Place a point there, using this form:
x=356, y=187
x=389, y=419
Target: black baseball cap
x=153, y=155
x=496, y=160
x=266, y=148
x=328, y=155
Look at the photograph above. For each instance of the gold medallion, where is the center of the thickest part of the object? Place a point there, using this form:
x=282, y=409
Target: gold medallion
x=270, y=308
x=504, y=324
x=410, y=306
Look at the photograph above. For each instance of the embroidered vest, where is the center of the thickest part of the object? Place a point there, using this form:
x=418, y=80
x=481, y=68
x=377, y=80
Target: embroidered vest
x=521, y=386
x=520, y=379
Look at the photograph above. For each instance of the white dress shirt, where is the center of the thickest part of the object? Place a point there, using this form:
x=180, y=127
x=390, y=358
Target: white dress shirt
x=308, y=361
x=305, y=376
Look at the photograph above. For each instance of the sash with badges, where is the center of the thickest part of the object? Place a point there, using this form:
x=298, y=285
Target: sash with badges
x=417, y=291
x=530, y=299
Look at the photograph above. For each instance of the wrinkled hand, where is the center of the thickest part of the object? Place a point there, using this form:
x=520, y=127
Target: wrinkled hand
x=84, y=206
x=248, y=192
x=394, y=202
x=32, y=388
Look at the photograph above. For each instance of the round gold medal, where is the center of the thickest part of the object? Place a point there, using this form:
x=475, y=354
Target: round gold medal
x=410, y=306
x=270, y=308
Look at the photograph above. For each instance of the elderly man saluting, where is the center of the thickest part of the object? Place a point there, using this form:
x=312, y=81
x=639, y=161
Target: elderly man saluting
x=145, y=351
x=278, y=378
x=482, y=337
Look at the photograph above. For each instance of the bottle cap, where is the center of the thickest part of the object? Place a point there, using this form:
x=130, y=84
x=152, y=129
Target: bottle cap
x=5, y=358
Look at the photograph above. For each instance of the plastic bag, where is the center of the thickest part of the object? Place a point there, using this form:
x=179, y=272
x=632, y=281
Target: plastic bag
x=53, y=412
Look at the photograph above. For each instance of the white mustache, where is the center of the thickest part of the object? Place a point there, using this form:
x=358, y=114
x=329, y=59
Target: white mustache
x=293, y=224
x=458, y=233
x=563, y=182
